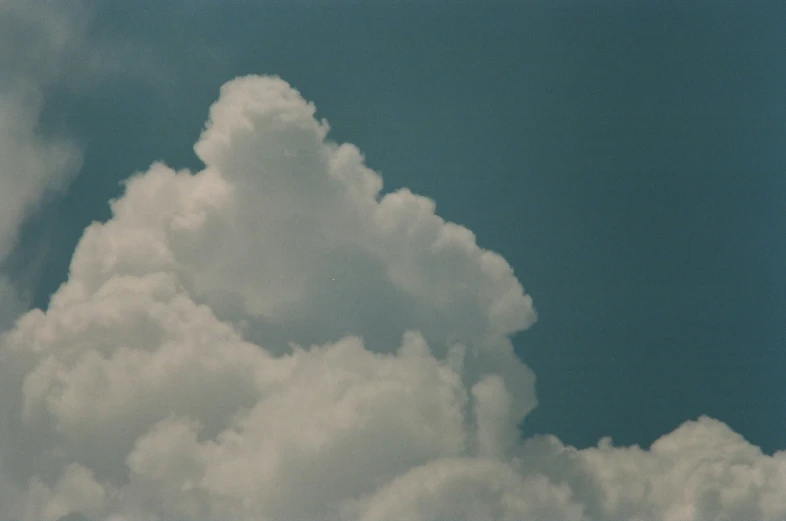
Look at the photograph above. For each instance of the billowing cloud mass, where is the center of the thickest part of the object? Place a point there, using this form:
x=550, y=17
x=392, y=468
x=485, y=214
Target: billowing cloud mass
x=273, y=338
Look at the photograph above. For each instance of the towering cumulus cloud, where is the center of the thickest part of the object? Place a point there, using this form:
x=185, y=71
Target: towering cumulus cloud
x=270, y=338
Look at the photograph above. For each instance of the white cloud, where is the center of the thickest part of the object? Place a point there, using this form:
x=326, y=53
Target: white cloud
x=272, y=338
x=702, y=470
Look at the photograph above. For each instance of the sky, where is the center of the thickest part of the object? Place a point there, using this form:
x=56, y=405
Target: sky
x=277, y=288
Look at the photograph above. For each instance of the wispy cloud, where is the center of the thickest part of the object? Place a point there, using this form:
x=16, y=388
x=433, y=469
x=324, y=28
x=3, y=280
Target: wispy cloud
x=35, y=40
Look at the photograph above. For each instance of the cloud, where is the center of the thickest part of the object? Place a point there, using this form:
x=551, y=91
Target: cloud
x=45, y=44
x=35, y=39
x=38, y=38
x=32, y=165
x=273, y=338
x=60, y=43
x=11, y=303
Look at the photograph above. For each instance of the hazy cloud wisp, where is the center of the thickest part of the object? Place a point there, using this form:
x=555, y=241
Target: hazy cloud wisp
x=35, y=41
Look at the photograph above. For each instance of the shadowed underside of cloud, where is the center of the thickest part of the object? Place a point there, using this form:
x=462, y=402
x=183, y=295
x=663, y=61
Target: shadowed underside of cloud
x=273, y=338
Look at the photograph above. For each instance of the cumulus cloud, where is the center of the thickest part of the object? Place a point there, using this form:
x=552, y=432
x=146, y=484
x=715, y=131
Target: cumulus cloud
x=273, y=338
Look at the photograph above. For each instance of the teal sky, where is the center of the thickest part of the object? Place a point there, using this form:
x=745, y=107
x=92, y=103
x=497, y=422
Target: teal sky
x=626, y=158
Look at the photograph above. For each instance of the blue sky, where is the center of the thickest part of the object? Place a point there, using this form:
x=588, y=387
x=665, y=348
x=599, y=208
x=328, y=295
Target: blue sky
x=625, y=158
